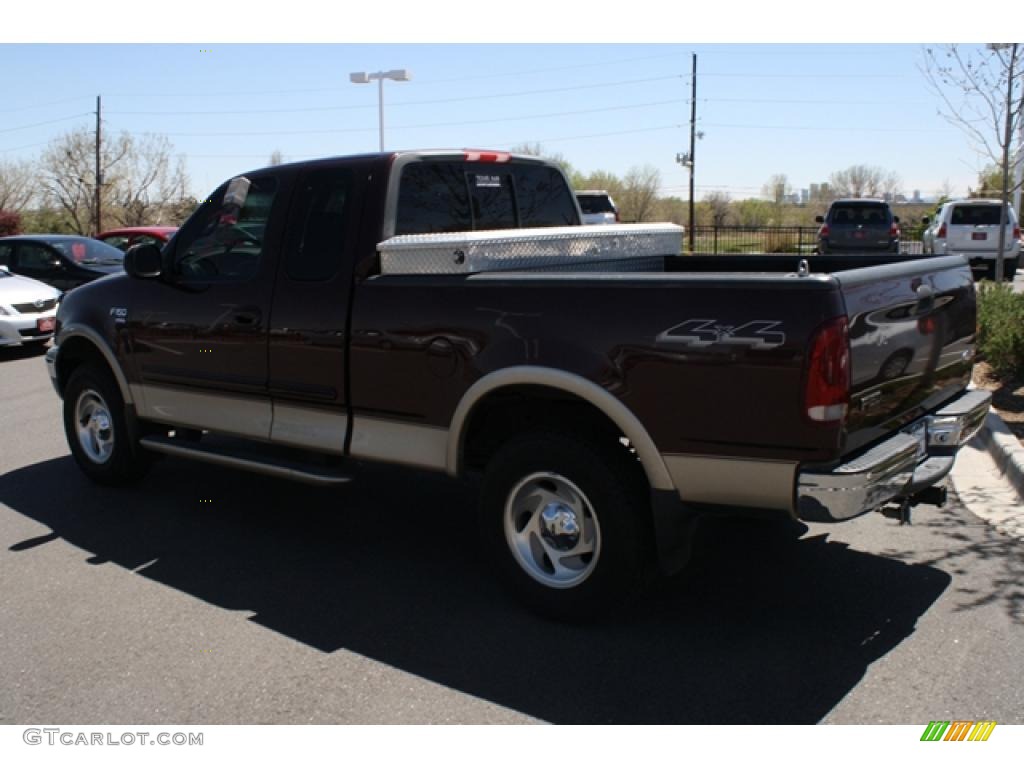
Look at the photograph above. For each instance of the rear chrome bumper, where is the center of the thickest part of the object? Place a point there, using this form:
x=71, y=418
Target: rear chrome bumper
x=906, y=463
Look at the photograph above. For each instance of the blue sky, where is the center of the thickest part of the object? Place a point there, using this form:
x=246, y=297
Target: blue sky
x=803, y=110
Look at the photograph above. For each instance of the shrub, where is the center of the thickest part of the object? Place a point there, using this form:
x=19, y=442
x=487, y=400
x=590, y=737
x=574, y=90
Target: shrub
x=1001, y=328
x=10, y=223
x=781, y=242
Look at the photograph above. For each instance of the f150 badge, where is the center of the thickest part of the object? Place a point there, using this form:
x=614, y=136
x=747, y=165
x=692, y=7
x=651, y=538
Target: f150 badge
x=120, y=315
x=701, y=332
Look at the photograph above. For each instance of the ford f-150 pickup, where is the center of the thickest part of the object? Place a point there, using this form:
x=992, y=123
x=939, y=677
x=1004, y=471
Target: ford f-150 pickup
x=447, y=311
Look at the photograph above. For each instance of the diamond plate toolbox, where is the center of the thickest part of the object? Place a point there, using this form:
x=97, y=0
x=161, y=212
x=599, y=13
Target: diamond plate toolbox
x=619, y=247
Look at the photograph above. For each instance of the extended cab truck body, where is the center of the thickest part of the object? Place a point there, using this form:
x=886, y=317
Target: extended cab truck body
x=310, y=316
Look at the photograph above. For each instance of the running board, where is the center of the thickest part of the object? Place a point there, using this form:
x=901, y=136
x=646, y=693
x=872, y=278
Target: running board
x=288, y=470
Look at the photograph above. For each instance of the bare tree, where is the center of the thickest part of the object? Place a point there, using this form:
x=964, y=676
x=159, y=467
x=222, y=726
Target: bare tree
x=140, y=179
x=147, y=182
x=864, y=181
x=535, y=149
x=718, y=207
x=17, y=185
x=981, y=95
x=639, y=193
x=69, y=177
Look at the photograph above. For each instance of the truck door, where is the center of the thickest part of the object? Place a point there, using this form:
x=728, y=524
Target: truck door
x=309, y=314
x=199, y=334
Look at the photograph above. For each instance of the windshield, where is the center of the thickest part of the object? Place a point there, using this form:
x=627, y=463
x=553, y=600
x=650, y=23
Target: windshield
x=85, y=250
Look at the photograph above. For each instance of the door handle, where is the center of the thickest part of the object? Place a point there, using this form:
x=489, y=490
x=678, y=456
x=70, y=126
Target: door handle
x=246, y=318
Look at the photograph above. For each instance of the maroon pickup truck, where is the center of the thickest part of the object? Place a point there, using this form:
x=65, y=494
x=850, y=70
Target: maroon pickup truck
x=446, y=310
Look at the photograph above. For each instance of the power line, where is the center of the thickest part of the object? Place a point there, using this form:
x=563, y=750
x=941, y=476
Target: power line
x=41, y=106
x=437, y=125
x=802, y=75
x=400, y=103
x=440, y=81
x=855, y=129
x=47, y=122
x=25, y=146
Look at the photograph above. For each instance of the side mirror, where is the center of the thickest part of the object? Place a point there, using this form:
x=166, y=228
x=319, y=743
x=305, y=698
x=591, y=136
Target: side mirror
x=896, y=219
x=820, y=219
x=926, y=220
x=143, y=261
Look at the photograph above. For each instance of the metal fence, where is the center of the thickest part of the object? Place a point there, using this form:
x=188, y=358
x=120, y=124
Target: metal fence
x=740, y=239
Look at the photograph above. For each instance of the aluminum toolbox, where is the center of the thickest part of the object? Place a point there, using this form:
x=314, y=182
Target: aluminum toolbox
x=619, y=247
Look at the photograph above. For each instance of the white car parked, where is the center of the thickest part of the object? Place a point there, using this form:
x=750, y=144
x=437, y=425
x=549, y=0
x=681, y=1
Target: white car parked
x=597, y=207
x=28, y=310
x=971, y=228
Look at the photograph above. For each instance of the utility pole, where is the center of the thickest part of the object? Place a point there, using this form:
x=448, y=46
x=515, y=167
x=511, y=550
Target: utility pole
x=685, y=159
x=693, y=140
x=1007, y=138
x=99, y=172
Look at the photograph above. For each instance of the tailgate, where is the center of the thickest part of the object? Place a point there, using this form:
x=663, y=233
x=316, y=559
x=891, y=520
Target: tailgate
x=912, y=329
x=975, y=227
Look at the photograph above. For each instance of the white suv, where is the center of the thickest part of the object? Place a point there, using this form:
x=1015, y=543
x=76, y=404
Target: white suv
x=597, y=207
x=971, y=228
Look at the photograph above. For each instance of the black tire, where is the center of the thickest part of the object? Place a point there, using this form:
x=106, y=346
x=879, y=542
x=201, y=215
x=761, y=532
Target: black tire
x=614, y=493
x=1010, y=270
x=110, y=456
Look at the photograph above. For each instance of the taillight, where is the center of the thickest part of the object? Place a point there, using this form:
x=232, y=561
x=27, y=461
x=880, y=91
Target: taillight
x=894, y=230
x=926, y=325
x=941, y=232
x=824, y=231
x=827, y=394
x=1016, y=233
x=617, y=219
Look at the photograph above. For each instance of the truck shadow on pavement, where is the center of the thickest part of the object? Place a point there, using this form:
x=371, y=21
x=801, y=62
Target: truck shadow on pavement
x=763, y=627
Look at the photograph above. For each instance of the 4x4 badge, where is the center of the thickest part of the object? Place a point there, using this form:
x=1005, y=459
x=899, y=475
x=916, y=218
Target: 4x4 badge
x=756, y=334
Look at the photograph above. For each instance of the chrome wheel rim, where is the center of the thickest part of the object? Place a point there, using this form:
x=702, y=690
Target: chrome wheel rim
x=95, y=426
x=552, y=530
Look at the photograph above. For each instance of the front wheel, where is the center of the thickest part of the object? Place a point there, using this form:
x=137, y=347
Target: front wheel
x=97, y=429
x=566, y=521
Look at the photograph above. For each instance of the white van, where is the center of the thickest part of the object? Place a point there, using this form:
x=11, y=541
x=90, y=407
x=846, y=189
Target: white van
x=971, y=228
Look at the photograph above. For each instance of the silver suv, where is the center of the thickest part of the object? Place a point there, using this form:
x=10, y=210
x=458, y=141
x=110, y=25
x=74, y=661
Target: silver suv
x=971, y=227
x=597, y=207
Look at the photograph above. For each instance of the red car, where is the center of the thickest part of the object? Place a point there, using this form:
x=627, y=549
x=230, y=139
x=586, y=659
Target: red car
x=125, y=237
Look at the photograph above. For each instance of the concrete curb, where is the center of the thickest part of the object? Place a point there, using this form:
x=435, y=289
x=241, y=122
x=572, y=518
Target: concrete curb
x=1005, y=449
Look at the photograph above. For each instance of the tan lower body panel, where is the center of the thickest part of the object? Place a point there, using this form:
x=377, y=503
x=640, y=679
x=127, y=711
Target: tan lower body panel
x=739, y=482
x=230, y=414
x=399, y=442
x=316, y=429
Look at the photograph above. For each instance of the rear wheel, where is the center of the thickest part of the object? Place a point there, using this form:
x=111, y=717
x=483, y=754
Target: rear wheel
x=97, y=429
x=567, y=523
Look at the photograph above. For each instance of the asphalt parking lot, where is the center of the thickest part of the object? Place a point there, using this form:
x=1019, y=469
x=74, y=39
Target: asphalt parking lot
x=210, y=596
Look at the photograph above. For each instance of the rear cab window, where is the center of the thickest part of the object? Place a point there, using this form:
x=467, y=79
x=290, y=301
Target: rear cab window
x=452, y=196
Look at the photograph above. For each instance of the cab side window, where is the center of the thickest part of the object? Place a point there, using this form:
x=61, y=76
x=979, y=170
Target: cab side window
x=5, y=254
x=223, y=241
x=317, y=235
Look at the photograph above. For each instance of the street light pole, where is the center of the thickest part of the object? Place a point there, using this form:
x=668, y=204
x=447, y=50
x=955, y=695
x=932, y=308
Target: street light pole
x=400, y=75
x=1007, y=138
